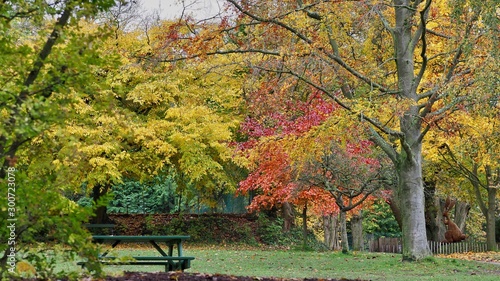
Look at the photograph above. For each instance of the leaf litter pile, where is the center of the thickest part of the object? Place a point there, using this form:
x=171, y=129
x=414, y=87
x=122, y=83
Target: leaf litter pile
x=183, y=276
x=490, y=257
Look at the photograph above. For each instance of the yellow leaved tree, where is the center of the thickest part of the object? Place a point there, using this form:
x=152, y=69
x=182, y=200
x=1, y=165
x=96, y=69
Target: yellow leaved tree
x=150, y=118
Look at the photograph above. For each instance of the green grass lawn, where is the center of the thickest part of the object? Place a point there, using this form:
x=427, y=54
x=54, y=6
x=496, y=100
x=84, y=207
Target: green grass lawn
x=300, y=264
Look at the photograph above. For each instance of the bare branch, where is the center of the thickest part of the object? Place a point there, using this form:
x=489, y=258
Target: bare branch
x=423, y=54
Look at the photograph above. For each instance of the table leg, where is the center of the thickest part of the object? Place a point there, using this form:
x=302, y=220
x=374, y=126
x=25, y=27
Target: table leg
x=112, y=246
x=158, y=248
x=179, y=248
x=170, y=249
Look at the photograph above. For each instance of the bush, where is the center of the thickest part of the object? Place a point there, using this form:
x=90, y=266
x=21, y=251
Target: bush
x=202, y=228
x=270, y=233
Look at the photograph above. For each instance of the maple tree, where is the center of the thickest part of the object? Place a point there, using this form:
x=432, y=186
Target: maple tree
x=394, y=65
x=295, y=160
x=350, y=178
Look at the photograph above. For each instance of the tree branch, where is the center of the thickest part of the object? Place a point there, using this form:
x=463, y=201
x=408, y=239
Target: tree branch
x=384, y=145
x=423, y=54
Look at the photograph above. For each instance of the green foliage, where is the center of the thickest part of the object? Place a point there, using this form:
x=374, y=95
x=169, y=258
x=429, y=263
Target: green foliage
x=162, y=195
x=44, y=260
x=42, y=213
x=380, y=221
x=156, y=196
x=270, y=233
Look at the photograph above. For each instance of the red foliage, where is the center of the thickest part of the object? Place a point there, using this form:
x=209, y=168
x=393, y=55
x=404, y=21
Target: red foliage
x=273, y=178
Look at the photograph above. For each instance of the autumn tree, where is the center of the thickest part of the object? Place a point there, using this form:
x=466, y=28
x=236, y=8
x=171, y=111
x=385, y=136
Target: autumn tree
x=469, y=149
x=391, y=64
x=39, y=67
x=48, y=58
x=149, y=118
x=348, y=176
x=466, y=143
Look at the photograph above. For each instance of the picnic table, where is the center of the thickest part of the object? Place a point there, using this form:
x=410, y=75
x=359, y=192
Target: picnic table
x=167, y=258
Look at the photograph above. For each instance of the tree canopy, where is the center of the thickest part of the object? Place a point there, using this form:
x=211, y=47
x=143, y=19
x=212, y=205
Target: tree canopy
x=398, y=67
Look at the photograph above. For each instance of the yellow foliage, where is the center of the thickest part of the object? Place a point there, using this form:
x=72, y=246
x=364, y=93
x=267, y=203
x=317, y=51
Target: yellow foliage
x=25, y=269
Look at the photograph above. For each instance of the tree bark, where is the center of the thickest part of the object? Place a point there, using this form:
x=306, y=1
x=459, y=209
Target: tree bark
x=491, y=244
x=357, y=232
x=431, y=211
x=411, y=196
x=304, y=226
x=343, y=232
x=461, y=214
x=396, y=211
x=488, y=209
x=331, y=233
x=288, y=215
x=408, y=160
x=439, y=219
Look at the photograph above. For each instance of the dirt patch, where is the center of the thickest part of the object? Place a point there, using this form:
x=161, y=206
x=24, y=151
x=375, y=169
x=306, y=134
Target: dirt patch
x=180, y=276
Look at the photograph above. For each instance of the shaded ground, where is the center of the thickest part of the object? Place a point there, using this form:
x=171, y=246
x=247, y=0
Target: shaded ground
x=180, y=276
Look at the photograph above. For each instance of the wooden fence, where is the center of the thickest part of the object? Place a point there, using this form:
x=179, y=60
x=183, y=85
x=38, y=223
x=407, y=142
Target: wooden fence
x=393, y=245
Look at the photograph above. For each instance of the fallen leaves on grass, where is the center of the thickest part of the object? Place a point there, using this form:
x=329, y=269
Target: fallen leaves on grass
x=492, y=257
x=182, y=276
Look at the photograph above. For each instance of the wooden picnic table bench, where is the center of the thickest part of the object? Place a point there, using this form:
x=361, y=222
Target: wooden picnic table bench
x=169, y=260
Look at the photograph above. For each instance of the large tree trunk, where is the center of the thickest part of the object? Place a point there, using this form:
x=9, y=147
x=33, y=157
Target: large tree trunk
x=357, y=232
x=411, y=198
x=343, y=232
x=408, y=162
x=331, y=234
